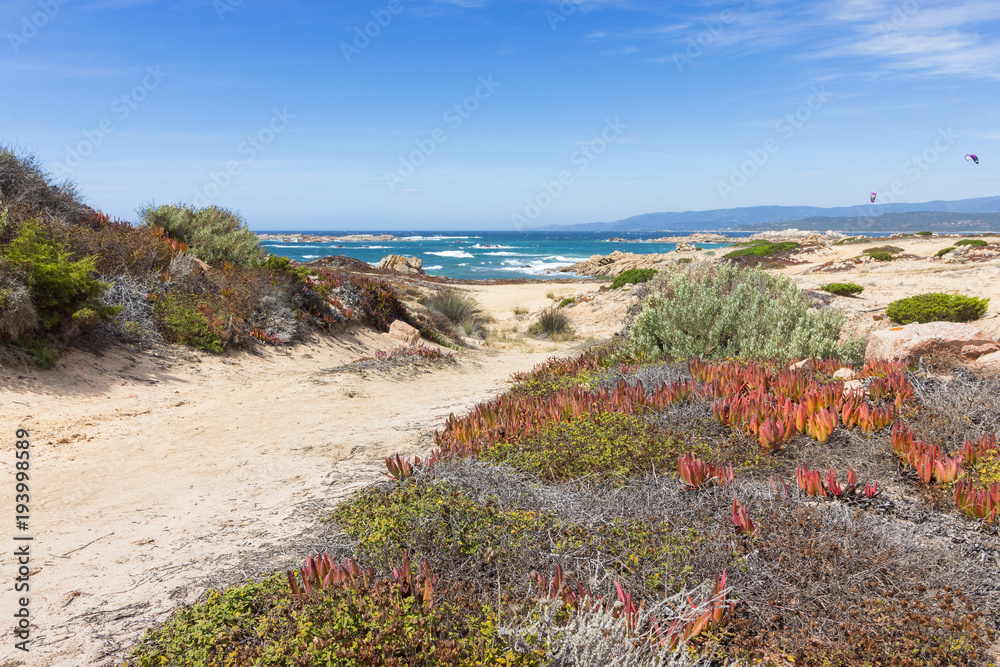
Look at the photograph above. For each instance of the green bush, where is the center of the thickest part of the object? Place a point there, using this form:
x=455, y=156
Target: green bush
x=212, y=234
x=567, y=301
x=182, y=324
x=717, y=311
x=944, y=251
x=40, y=352
x=632, y=276
x=285, y=265
x=880, y=255
x=685, y=260
x=843, y=289
x=924, y=233
x=59, y=287
x=973, y=243
x=936, y=307
x=117, y=247
x=762, y=249
x=891, y=249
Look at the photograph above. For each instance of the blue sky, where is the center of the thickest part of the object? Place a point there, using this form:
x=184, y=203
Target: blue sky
x=435, y=114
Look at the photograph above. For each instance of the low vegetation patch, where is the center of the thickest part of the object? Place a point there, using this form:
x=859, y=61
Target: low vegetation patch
x=632, y=276
x=944, y=251
x=972, y=243
x=843, y=289
x=762, y=249
x=936, y=307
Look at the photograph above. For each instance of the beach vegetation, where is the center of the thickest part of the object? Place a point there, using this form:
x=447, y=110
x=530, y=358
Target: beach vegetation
x=972, y=243
x=212, y=234
x=937, y=307
x=633, y=276
x=761, y=249
x=568, y=301
x=944, y=251
x=551, y=322
x=456, y=305
x=843, y=289
x=923, y=233
x=700, y=311
x=880, y=255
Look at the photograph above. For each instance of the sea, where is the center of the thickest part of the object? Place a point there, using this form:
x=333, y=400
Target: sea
x=481, y=255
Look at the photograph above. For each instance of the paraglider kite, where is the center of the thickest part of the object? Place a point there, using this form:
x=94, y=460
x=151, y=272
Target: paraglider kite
x=972, y=157
x=873, y=197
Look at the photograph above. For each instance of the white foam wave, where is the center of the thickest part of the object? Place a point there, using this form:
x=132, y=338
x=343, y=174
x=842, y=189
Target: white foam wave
x=433, y=268
x=537, y=267
x=451, y=253
x=479, y=246
x=437, y=238
x=510, y=254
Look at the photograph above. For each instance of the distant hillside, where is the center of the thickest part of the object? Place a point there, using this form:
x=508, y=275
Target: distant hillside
x=933, y=221
x=781, y=216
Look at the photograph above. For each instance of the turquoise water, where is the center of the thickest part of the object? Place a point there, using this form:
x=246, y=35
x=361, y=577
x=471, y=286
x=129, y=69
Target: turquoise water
x=478, y=255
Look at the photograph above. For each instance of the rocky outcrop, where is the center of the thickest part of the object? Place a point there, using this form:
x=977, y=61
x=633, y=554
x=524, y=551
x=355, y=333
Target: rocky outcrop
x=684, y=246
x=400, y=264
x=966, y=342
x=618, y=262
x=400, y=330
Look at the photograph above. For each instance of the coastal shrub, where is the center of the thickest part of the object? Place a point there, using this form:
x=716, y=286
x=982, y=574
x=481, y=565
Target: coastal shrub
x=117, y=247
x=972, y=243
x=551, y=322
x=632, y=276
x=29, y=192
x=685, y=260
x=130, y=295
x=212, y=234
x=923, y=233
x=936, y=307
x=761, y=249
x=891, y=249
x=880, y=255
x=17, y=310
x=702, y=311
x=567, y=302
x=944, y=251
x=456, y=305
x=59, y=287
x=287, y=266
x=40, y=352
x=843, y=289
x=182, y=322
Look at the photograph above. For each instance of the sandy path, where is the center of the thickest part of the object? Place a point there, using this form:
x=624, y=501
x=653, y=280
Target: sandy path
x=150, y=475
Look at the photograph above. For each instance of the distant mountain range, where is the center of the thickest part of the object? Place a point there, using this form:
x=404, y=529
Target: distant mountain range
x=981, y=214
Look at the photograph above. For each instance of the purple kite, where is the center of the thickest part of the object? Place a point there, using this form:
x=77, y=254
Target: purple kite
x=873, y=197
x=972, y=157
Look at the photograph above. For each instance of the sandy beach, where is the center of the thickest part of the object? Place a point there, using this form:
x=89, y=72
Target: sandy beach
x=161, y=474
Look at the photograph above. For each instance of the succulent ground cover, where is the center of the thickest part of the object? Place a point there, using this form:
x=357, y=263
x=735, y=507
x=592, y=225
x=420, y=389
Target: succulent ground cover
x=618, y=511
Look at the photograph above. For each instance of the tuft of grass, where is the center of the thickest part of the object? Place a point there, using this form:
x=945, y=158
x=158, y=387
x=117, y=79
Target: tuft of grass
x=936, y=307
x=843, y=289
x=520, y=311
x=456, y=305
x=566, y=302
x=551, y=322
x=944, y=251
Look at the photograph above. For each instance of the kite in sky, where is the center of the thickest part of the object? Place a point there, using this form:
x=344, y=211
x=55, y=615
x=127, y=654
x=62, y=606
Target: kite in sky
x=873, y=197
x=972, y=157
